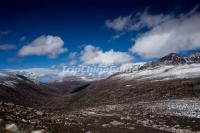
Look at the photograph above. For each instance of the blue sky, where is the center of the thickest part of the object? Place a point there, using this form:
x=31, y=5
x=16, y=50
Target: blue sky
x=81, y=23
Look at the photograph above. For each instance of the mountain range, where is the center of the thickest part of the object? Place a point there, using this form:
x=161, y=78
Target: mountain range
x=158, y=96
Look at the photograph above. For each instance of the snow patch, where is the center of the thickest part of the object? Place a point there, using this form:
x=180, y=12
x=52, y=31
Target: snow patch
x=9, y=83
x=163, y=73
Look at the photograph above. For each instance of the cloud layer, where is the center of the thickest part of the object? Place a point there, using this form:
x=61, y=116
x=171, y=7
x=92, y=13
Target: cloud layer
x=174, y=35
x=164, y=33
x=136, y=22
x=49, y=45
x=94, y=55
x=119, y=24
x=73, y=58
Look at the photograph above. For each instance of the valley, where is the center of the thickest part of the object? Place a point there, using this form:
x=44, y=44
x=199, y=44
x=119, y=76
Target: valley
x=152, y=98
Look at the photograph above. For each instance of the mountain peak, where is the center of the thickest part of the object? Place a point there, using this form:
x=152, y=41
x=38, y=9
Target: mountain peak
x=172, y=59
x=194, y=58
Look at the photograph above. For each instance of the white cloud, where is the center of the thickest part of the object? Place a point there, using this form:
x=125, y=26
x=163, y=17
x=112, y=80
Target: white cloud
x=94, y=55
x=73, y=58
x=176, y=34
x=119, y=24
x=44, y=45
x=166, y=33
x=136, y=22
x=7, y=46
x=148, y=20
x=118, y=36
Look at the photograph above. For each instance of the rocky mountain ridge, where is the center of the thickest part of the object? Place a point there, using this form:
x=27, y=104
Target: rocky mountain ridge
x=174, y=59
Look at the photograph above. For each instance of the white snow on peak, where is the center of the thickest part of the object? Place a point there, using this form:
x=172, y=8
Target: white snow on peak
x=37, y=74
x=162, y=73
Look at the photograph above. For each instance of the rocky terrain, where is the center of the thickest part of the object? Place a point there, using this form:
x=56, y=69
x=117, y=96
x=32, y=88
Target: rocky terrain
x=161, y=96
x=157, y=116
x=174, y=59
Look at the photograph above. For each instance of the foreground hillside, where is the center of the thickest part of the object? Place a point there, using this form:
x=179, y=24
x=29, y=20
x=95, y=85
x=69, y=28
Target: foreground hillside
x=20, y=90
x=158, y=106
x=115, y=91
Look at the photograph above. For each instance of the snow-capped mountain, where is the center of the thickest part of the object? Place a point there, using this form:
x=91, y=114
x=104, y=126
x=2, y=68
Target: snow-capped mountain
x=21, y=90
x=172, y=59
x=12, y=80
x=162, y=72
x=194, y=58
x=8, y=80
x=47, y=75
x=38, y=74
x=172, y=65
x=168, y=67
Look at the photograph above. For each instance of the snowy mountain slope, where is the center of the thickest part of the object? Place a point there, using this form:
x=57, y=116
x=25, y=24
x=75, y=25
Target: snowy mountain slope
x=47, y=75
x=38, y=74
x=21, y=90
x=163, y=73
x=9, y=80
x=171, y=66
